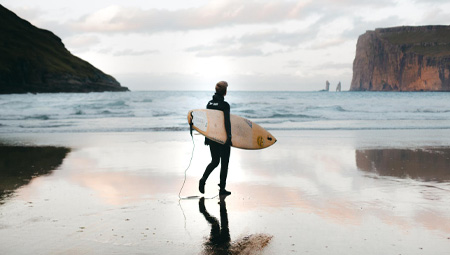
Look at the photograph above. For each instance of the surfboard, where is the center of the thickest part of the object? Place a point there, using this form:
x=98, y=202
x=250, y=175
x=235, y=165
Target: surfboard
x=245, y=133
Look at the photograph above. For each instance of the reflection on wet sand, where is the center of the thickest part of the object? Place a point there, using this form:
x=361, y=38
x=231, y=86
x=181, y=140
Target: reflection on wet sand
x=219, y=241
x=420, y=164
x=19, y=165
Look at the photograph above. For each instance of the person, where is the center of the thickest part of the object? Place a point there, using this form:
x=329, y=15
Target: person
x=219, y=152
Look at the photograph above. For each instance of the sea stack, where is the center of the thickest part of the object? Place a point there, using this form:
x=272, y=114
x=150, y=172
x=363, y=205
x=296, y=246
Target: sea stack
x=403, y=59
x=34, y=60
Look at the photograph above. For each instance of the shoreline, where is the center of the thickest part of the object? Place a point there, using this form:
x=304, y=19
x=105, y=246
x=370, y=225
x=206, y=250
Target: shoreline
x=358, y=138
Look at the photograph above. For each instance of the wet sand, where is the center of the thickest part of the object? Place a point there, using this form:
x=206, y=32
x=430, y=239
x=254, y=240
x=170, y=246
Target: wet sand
x=313, y=192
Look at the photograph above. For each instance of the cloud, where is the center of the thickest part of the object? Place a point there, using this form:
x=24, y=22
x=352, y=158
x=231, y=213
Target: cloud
x=360, y=26
x=29, y=13
x=276, y=36
x=127, y=52
x=81, y=41
x=436, y=16
x=253, y=44
x=228, y=46
x=117, y=19
x=325, y=31
x=215, y=13
x=328, y=43
x=293, y=64
x=131, y=52
x=233, y=49
x=335, y=65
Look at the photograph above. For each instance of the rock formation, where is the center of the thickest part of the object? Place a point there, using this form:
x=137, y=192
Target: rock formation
x=429, y=164
x=35, y=60
x=403, y=59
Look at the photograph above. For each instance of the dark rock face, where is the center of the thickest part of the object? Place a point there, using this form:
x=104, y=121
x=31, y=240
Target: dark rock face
x=35, y=60
x=403, y=59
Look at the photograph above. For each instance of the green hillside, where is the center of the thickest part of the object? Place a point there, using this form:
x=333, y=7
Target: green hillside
x=427, y=40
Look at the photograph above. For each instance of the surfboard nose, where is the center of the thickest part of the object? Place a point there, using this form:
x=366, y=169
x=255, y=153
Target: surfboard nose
x=271, y=140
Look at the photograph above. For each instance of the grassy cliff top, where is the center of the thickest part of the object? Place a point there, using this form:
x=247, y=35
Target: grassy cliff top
x=431, y=41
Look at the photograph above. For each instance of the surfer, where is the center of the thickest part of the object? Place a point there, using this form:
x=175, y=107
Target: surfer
x=219, y=152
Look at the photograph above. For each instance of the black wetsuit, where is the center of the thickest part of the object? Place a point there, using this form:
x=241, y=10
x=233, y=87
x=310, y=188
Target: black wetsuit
x=219, y=152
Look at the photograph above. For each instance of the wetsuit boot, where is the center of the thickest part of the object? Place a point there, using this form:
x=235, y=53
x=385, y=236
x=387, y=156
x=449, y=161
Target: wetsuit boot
x=223, y=191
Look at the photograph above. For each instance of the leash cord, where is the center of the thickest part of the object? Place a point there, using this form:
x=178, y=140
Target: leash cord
x=185, y=171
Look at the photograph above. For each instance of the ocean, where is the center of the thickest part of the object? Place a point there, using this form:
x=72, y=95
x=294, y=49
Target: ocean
x=167, y=110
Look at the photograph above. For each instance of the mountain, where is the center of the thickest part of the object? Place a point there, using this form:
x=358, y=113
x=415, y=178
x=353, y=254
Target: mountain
x=403, y=59
x=35, y=60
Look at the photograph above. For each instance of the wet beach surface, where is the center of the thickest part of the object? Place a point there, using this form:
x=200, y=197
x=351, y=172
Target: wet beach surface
x=313, y=192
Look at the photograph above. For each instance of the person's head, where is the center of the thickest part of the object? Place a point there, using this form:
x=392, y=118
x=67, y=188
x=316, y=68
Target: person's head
x=221, y=88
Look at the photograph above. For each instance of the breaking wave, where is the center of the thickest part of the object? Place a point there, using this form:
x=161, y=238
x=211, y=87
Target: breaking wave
x=167, y=110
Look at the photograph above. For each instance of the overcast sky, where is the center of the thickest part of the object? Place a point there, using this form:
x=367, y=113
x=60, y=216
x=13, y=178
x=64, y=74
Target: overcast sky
x=254, y=45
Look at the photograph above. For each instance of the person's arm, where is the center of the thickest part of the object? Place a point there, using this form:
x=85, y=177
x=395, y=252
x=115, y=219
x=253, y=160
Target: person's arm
x=226, y=114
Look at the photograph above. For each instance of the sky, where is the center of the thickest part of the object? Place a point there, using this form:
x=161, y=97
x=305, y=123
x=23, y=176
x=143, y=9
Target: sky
x=252, y=44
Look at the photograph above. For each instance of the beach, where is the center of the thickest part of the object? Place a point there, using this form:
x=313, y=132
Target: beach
x=337, y=114
x=313, y=192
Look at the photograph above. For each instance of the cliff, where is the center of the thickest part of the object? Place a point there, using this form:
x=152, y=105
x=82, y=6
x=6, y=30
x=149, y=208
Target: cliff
x=403, y=59
x=36, y=60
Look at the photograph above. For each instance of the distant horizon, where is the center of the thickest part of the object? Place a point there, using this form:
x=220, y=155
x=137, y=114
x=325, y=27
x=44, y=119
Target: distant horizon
x=253, y=44
x=231, y=91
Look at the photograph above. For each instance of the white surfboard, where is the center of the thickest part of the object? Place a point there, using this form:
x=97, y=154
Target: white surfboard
x=245, y=134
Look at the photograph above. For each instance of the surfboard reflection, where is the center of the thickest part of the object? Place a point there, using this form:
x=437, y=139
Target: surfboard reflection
x=431, y=164
x=219, y=241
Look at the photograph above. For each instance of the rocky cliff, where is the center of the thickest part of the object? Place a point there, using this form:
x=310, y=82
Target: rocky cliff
x=36, y=60
x=403, y=59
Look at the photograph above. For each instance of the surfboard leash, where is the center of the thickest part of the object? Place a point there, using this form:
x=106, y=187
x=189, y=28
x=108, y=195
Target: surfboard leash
x=192, y=155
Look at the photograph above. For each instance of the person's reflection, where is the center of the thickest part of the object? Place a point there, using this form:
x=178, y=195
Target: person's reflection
x=219, y=240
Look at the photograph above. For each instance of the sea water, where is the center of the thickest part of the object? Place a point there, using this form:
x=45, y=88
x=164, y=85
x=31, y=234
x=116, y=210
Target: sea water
x=142, y=111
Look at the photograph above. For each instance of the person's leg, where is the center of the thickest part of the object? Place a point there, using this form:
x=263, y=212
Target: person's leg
x=225, y=158
x=215, y=159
